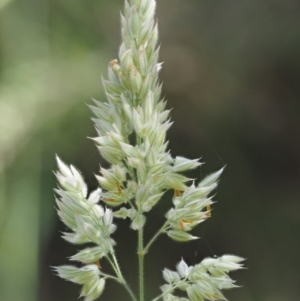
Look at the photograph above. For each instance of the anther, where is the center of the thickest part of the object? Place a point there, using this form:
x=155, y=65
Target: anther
x=177, y=192
x=119, y=188
x=109, y=199
x=208, y=213
x=184, y=221
x=98, y=264
x=113, y=62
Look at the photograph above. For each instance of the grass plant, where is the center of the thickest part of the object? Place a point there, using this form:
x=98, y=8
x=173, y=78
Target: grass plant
x=131, y=135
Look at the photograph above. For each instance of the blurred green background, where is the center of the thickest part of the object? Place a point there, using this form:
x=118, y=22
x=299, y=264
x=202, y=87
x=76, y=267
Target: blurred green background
x=231, y=74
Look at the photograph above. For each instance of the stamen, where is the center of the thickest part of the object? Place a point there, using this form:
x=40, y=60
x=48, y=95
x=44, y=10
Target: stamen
x=208, y=213
x=184, y=221
x=98, y=264
x=181, y=224
x=119, y=188
x=177, y=192
x=113, y=62
x=109, y=199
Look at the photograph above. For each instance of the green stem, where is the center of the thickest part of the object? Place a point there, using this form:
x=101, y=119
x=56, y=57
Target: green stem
x=164, y=293
x=114, y=268
x=117, y=266
x=120, y=279
x=131, y=205
x=110, y=277
x=141, y=263
x=161, y=230
x=133, y=297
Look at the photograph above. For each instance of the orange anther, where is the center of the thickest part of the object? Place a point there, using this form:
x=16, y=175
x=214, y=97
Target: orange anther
x=184, y=221
x=181, y=224
x=98, y=264
x=113, y=62
x=109, y=199
x=177, y=192
x=208, y=213
x=119, y=188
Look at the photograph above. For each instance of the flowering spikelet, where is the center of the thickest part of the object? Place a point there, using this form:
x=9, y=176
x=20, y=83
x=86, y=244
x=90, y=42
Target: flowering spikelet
x=89, y=222
x=204, y=281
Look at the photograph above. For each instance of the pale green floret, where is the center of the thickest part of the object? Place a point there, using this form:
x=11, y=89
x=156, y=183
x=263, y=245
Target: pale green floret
x=86, y=274
x=175, y=181
x=183, y=269
x=211, y=179
x=138, y=222
x=104, y=182
x=232, y=258
x=181, y=236
x=89, y=255
x=63, y=168
x=121, y=213
x=93, y=290
x=75, y=238
x=170, y=276
x=182, y=164
x=151, y=202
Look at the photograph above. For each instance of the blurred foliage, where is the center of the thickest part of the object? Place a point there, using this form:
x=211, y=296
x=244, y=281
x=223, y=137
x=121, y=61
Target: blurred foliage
x=231, y=76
